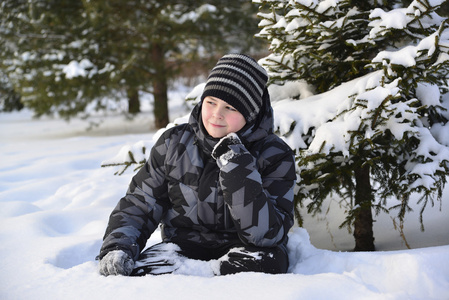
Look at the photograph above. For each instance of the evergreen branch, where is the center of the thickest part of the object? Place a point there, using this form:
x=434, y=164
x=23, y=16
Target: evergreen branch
x=41, y=36
x=379, y=110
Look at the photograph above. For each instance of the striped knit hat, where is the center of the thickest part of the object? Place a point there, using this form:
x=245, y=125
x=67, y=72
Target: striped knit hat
x=240, y=81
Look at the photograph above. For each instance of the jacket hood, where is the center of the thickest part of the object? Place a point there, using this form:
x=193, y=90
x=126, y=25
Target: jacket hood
x=256, y=130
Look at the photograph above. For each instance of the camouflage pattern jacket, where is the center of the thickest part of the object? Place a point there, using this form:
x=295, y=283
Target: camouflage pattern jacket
x=181, y=187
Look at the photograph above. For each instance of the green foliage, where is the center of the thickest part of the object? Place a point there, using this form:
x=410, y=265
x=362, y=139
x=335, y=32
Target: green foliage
x=41, y=39
x=329, y=45
x=316, y=48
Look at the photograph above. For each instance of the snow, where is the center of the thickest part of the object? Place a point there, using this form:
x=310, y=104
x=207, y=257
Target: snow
x=75, y=69
x=428, y=94
x=55, y=201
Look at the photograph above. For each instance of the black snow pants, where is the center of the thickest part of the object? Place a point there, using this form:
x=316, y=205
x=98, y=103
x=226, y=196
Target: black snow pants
x=233, y=257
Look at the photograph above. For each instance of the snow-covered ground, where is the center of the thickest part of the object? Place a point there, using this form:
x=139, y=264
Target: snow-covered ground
x=54, y=206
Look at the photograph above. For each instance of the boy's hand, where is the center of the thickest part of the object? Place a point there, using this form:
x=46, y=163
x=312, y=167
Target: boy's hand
x=225, y=145
x=116, y=262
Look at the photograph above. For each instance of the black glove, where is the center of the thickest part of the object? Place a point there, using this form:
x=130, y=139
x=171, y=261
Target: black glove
x=225, y=145
x=116, y=262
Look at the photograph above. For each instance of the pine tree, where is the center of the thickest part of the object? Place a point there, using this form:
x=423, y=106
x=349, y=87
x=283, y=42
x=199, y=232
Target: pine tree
x=389, y=142
x=41, y=39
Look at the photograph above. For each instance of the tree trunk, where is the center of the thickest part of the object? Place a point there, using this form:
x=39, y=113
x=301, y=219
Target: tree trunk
x=133, y=101
x=363, y=224
x=160, y=88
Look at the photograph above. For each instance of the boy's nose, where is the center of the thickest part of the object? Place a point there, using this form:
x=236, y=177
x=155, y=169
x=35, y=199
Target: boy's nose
x=218, y=113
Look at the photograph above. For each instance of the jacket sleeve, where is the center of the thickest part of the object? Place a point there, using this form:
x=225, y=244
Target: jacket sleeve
x=259, y=193
x=138, y=214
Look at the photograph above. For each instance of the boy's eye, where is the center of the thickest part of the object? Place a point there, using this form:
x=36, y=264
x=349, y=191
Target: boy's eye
x=231, y=108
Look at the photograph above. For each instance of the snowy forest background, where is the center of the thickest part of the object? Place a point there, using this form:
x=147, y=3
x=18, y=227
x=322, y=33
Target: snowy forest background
x=359, y=91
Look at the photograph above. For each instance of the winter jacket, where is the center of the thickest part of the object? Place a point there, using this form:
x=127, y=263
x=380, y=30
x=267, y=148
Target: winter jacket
x=182, y=187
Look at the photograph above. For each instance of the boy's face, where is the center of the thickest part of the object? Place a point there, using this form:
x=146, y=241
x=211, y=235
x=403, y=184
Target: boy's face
x=220, y=118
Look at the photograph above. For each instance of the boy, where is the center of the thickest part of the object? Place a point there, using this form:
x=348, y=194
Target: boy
x=221, y=186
